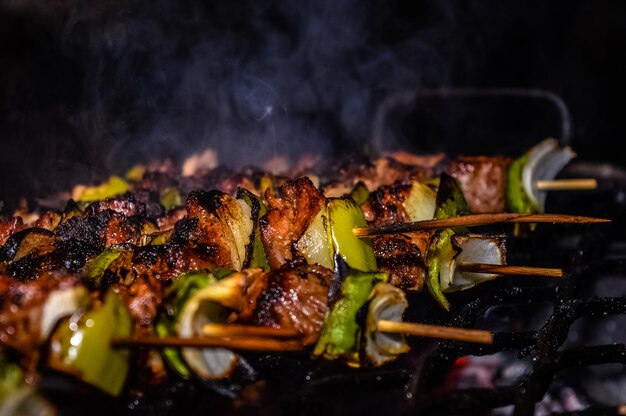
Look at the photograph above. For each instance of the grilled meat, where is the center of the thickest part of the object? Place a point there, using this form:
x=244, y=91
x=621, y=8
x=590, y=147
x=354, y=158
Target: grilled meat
x=294, y=296
x=384, y=206
x=288, y=218
x=21, y=306
x=402, y=259
x=483, y=180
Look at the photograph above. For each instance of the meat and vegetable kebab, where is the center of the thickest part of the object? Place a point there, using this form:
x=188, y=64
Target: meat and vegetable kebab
x=125, y=258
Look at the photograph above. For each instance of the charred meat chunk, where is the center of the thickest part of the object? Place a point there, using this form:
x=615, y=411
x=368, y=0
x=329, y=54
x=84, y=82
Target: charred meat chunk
x=384, y=206
x=294, y=296
x=402, y=259
x=288, y=218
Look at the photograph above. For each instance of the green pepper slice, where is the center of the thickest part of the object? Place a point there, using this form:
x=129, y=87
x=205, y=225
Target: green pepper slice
x=450, y=203
x=96, y=267
x=360, y=194
x=345, y=215
x=182, y=290
x=516, y=196
x=114, y=186
x=81, y=345
x=440, y=247
x=11, y=378
x=340, y=332
x=170, y=198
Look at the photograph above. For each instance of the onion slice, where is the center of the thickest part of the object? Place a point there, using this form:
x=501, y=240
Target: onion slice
x=210, y=305
x=387, y=303
x=59, y=304
x=471, y=248
x=545, y=161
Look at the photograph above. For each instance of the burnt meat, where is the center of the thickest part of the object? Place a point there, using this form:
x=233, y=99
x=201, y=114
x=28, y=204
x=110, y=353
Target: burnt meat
x=288, y=218
x=294, y=296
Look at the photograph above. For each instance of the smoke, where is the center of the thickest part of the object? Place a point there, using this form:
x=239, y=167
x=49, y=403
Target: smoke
x=253, y=81
x=91, y=88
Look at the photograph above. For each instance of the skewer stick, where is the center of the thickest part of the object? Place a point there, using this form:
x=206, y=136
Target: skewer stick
x=510, y=270
x=566, y=185
x=238, y=343
x=436, y=331
x=229, y=330
x=475, y=220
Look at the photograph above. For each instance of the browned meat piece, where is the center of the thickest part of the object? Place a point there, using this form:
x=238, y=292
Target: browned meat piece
x=168, y=221
x=48, y=220
x=384, y=205
x=142, y=274
x=122, y=230
x=168, y=261
x=435, y=161
x=21, y=305
x=294, y=296
x=383, y=171
x=402, y=259
x=288, y=218
x=125, y=204
x=212, y=233
x=8, y=226
x=483, y=180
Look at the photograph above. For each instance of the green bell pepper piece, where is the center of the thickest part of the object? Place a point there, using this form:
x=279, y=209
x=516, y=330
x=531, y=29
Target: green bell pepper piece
x=11, y=378
x=181, y=291
x=345, y=215
x=450, y=203
x=170, y=198
x=360, y=193
x=439, y=247
x=450, y=199
x=81, y=345
x=516, y=197
x=98, y=265
x=340, y=332
x=114, y=186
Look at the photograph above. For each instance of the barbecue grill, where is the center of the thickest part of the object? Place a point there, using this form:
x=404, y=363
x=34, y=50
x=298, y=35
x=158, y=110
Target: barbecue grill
x=559, y=346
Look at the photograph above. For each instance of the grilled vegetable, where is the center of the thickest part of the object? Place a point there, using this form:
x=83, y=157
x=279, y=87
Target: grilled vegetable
x=257, y=257
x=182, y=290
x=340, y=332
x=450, y=203
x=199, y=299
x=11, y=378
x=543, y=162
x=345, y=215
x=80, y=346
x=420, y=203
x=114, y=186
x=59, y=304
x=470, y=249
x=386, y=303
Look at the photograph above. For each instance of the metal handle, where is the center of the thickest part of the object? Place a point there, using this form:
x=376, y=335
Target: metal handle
x=406, y=98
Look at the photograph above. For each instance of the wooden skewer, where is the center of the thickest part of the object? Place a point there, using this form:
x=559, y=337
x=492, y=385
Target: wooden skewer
x=229, y=330
x=436, y=331
x=566, y=185
x=272, y=344
x=510, y=270
x=475, y=220
x=237, y=343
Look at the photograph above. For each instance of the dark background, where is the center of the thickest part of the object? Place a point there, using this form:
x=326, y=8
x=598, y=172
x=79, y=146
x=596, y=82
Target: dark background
x=89, y=88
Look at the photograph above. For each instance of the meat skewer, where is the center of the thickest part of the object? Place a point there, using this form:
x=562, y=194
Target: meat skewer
x=130, y=244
